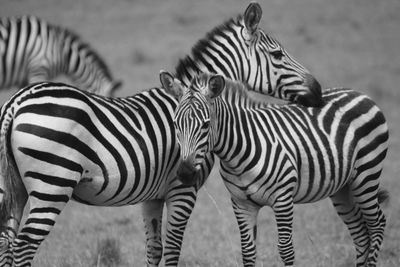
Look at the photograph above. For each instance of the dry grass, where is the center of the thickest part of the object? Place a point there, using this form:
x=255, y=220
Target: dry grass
x=351, y=43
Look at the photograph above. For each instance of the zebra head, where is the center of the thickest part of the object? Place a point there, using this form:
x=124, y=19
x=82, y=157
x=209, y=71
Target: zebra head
x=240, y=50
x=192, y=122
x=274, y=70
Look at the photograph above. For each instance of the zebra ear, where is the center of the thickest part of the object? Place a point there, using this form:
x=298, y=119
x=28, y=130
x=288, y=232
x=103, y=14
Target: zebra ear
x=171, y=84
x=216, y=85
x=252, y=16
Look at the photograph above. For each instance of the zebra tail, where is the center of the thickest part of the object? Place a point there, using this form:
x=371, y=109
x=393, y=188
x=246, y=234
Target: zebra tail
x=383, y=195
x=9, y=175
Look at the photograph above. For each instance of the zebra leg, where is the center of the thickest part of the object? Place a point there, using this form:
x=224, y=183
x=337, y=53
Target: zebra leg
x=11, y=225
x=43, y=210
x=246, y=215
x=365, y=194
x=152, y=211
x=283, y=209
x=351, y=215
x=180, y=203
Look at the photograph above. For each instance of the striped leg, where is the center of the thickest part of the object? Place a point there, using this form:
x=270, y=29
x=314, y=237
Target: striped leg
x=152, y=211
x=351, y=215
x=246, y=215
x=180, y=203
x=365, y=194
x=11, y=225
x=283, y=209
x=44, y=209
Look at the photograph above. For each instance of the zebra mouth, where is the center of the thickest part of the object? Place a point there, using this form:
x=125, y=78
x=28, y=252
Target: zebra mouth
x=188, y=179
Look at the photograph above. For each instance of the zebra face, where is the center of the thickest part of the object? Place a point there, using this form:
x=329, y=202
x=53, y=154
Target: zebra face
x=192, y=125
x=192, y=122
x=273, y=70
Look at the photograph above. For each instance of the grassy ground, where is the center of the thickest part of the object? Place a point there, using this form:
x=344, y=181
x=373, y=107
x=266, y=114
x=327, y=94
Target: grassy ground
x=352, y=43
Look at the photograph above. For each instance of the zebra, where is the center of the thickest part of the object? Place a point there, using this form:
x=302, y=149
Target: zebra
x=153, y=112
x=109, y=152
x=33, y=50
x=278, y=155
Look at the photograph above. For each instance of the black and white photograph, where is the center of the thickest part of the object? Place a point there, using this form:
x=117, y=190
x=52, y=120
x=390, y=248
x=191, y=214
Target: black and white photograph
x=211, y=133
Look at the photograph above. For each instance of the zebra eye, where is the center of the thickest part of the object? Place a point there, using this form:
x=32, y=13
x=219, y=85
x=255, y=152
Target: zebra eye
x=206, y=124
x=278, y=54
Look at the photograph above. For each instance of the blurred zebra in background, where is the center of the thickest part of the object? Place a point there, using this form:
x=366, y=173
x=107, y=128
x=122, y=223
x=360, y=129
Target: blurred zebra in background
x=32, y=50
x=137, y=127
x=278, y=155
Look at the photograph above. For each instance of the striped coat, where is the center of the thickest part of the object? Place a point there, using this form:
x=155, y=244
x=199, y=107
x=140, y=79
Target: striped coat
x=277, y=156
x=33, y=50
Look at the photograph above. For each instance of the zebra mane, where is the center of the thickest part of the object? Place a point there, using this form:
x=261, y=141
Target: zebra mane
x=90, y=51
x=196, y=52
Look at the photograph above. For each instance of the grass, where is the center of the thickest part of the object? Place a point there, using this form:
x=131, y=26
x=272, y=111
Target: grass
x=108, y=253
x=352, y=43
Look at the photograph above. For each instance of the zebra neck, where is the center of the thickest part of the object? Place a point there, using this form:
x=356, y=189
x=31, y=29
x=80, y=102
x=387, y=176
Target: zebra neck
x=82, y=64
x=229, y=128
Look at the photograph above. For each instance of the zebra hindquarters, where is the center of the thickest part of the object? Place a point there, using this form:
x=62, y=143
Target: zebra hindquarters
x=49, y=171
x=351, y=215
x=358, y=202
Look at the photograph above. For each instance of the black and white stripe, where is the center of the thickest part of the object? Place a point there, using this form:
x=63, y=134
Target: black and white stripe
x=58, y=143
x=179, y=198
x=239, y=49
x=33, y=50
x=277, y=156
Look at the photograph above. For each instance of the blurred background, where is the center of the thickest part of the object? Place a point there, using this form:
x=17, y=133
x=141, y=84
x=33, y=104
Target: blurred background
x=344, y=43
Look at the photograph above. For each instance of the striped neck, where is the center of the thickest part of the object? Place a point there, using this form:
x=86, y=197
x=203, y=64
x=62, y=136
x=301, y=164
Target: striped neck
x=82, y=64
x=230, y=111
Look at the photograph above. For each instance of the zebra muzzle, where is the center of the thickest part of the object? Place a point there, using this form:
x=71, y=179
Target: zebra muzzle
x=187, y=173
x=314, y=97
